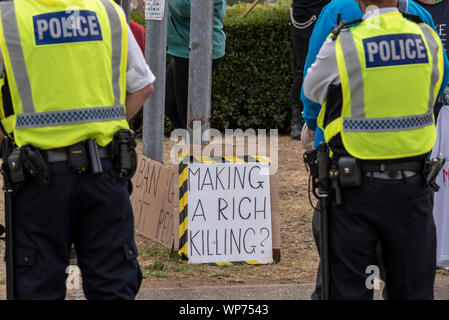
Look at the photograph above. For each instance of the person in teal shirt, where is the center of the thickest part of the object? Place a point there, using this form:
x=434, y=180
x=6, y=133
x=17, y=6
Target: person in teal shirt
x=178, y=39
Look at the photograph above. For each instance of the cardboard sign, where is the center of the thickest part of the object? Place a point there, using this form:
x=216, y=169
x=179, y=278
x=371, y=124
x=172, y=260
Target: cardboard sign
x=154, y=9
x=155, y=202
x=225, y=213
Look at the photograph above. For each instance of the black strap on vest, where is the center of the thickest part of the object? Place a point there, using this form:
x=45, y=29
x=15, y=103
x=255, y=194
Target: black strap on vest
x=412, y=17
x=341, y=25
x=7, y=101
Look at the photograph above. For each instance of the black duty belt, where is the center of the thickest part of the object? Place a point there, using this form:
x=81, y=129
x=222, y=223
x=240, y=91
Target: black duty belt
x=30, y=162
x=59, y=155
x=80, y=156
x=384, y=167
x=392, y=171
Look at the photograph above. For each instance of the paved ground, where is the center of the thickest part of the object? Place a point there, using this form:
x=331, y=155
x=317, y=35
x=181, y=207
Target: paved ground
x=261, y=292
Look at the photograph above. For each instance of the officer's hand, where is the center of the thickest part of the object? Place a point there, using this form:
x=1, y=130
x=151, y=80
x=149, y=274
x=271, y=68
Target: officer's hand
x=307, y=137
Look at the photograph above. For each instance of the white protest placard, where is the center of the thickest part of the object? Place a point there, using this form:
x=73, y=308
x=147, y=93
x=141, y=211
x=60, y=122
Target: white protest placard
x=441, y=198
x=229, y=213
x=154, y=9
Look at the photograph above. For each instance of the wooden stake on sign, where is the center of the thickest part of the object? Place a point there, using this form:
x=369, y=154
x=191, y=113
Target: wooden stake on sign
x=253, y=5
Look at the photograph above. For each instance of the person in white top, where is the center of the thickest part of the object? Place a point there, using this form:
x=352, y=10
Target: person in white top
x=139, y=78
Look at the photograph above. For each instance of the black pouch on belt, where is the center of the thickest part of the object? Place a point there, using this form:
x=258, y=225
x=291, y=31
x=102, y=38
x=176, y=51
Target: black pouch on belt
x=94, y=156
x=349, y=172
x=16, y=170
x=77, y=158
x=34, y=164
x=124, y=152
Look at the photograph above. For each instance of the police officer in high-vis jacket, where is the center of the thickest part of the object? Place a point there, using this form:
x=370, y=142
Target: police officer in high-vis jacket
x=72, y=75
x=378, y=80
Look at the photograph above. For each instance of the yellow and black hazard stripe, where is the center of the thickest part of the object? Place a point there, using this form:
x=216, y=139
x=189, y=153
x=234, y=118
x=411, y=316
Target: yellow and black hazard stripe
x=184, y=200
x=183, y=209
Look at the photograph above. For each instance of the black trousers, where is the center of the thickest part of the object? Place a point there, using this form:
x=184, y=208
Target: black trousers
x=94, y=213
x=316, y=231
x=396, y=213
x=177, y=90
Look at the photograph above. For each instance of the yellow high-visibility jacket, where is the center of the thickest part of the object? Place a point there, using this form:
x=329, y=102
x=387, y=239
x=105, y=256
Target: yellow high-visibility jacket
x=391, y=71
x=65, y=62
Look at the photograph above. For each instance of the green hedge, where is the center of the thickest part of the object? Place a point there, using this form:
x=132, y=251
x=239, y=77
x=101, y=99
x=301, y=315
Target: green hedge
x=252, y=86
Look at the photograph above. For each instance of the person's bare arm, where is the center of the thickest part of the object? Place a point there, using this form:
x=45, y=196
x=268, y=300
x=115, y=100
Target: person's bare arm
x=135, y=101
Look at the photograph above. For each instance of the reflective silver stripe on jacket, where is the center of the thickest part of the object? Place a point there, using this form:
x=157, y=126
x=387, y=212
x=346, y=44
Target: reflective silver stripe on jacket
x=355, y=74
x=32, y=119
x=433, y=47
x=116, y=32
x=358, y=122
x=15, y=51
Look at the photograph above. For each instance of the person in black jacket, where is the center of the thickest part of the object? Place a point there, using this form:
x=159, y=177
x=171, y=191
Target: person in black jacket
x=303, y=14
